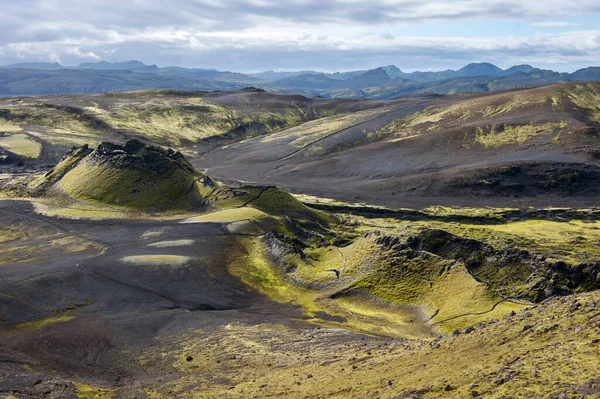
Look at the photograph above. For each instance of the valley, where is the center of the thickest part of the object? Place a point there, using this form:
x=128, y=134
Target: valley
x=166, y=243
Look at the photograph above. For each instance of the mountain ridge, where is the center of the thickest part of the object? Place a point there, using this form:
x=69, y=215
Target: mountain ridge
x=382, y=83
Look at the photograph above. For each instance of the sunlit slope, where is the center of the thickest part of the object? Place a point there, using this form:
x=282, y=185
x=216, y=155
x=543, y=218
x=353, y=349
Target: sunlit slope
x=250, y=299
x=131, y=175
x=547, y=351
x=135, y=177
x=517, y=144
x=147, y=182
x=173, y=118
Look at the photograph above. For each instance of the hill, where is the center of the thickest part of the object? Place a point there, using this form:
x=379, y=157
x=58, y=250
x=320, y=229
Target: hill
x=519, y=147
x=131, y=175
x=42, y=129
x=482, y=69
x=530, y=146
x=20, y=82
x=128, y=269
x=117, y=66
x=383, y=83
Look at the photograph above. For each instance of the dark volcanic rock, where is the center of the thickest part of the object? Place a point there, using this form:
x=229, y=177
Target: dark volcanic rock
x=135, y=155
x=35, y=386
x=279, y=249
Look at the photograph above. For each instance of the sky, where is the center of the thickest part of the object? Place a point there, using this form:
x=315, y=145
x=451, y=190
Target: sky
x=285, y=35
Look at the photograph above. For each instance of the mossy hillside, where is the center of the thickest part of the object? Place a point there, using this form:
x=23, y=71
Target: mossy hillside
x=448, y=292
x=52, y=123
x=498, y=136
x=571, y=241
x=255, y=267
x=574, y=241
x=586, y=96
x=470, y=274
x=549, y=351
x=369, y=288
x=549, y=110
x=68, y=162
x=228, y=216
x=308, y=132
x=138, y=189
x=115, y=180
x=320, y=266
x=164, y=117
x=131, y=175
x=277, y=202
x=158, y=118
x=269, y=200
x=20, y=144
x=157, y=114
x=528, y=259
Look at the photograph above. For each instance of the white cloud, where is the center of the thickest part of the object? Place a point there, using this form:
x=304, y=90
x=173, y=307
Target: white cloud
x=54, y=58
x=238, y=34
x=76, y=51
x=555, y=24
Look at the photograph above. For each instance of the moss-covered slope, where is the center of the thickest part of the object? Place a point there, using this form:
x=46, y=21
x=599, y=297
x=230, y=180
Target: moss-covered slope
x=142, y=178
x=132, y=175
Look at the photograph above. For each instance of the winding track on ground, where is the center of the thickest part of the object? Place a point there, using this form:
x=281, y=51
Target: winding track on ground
x=306, y=146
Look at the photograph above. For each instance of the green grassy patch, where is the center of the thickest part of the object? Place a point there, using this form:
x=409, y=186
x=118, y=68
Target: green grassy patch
x=498, y=136
x=586, y=96
x=85, y=391
x=129, y=188
x=45, y=322
x=445, y=289
x=278, y=202
x=157, y=260
x=21, y=144
x=228, y=216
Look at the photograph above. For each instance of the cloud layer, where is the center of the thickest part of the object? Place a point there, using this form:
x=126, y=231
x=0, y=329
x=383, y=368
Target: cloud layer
x=251, y=35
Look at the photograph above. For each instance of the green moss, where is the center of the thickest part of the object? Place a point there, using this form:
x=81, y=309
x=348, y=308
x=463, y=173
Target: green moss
x=228, y=216
x=52, y=123
x=255, y=269
x=573, y=241
x=157, y=260
x=20, y=144
x=494, y=136
x=157, y=119
x=552, y=357
x=56, y=173
x=41, y=323
x=446, y=289
x=85, y=391
x=586, y=96
x=129, y=188
x=278, y=202
x=11, y=233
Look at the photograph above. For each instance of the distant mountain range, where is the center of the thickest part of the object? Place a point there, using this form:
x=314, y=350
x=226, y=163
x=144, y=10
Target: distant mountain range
x=385, y=82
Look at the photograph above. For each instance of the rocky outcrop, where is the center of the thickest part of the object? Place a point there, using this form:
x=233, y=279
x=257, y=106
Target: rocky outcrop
x=510, y=271
x=278, y=249
x=135, y=155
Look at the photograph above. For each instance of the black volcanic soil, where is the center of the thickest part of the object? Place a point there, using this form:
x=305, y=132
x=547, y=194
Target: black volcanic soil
x=434, y=168
x=120, y=309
